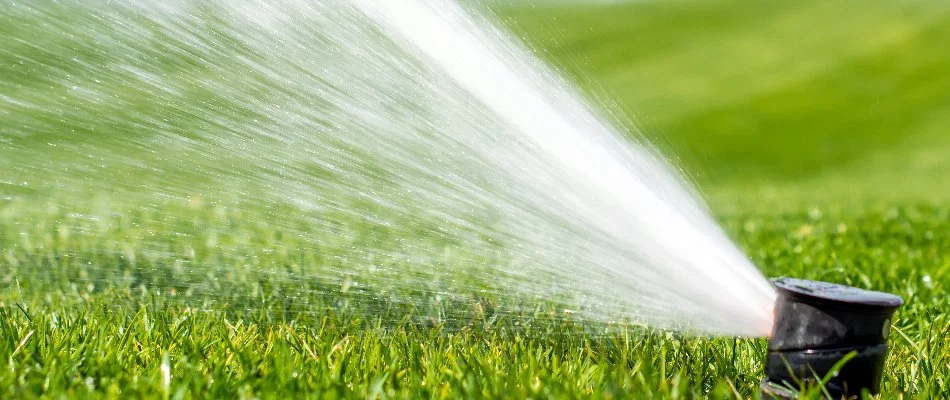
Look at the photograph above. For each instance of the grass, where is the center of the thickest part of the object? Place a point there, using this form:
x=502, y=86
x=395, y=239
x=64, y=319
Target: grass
x=817, y=131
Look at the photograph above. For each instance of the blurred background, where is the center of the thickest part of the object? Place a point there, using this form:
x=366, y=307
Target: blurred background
x=805, y=100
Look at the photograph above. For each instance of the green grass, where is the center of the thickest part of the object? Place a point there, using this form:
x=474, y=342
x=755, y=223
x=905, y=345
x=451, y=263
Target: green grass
x=817, y=131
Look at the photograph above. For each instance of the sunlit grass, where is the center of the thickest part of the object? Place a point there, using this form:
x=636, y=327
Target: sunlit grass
x=818, y=131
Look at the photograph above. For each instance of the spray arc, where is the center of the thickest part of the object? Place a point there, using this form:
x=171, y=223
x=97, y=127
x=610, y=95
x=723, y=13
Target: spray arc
x=817, y=326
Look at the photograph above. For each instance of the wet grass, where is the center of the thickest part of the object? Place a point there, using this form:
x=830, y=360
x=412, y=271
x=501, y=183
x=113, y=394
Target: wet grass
x=77, y=323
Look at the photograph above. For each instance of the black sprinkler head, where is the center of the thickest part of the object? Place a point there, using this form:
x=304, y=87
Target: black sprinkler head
x=817, y=324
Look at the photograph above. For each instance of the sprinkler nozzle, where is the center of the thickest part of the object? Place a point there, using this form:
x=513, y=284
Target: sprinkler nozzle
x=819, y=324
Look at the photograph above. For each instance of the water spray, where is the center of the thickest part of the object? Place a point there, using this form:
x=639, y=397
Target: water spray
x=824, y=332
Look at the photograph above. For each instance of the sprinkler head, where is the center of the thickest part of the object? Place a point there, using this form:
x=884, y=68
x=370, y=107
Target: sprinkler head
x=818, y=324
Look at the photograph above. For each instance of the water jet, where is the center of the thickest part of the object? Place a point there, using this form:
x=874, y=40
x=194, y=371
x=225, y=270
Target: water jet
x=827, y=332
x=418, y=144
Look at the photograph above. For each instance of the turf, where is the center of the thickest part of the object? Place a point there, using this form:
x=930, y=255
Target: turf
x=816, y=131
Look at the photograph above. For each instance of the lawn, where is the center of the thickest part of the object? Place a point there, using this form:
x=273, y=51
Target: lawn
x=817, y=132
